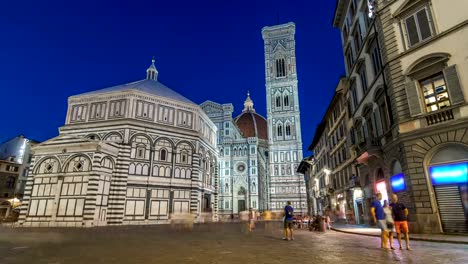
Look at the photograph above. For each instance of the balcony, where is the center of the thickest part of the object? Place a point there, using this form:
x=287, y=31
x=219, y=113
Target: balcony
x=368, y=148
x=439, y=117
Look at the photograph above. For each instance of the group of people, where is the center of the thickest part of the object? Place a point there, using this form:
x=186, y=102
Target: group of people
x=391, y=218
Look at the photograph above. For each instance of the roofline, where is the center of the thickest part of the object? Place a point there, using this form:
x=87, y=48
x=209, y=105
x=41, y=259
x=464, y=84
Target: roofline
x=284, y=25
x=20, y=135
x=95, y=93
x=318, y=133
x=335, y=96
x=339, y=11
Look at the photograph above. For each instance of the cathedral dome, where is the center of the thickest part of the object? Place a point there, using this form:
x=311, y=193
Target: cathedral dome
x=250, y=123
x=150, y=85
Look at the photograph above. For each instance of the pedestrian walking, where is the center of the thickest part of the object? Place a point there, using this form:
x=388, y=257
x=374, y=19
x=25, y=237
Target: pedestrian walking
x=378, y=216
x=328, y=222
x=390, y=222
x=252, y=218
x=400, y=215
x=288, y=221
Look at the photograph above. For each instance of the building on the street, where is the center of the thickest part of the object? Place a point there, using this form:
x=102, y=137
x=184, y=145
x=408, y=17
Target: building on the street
x=135, y=153
x=284, y=125
x=334, y=174
x=308, y=168
x=18, y=148
x=319, y=176
x=340, y=161
x=406, y=63
x=9, y=174
x=243, y=161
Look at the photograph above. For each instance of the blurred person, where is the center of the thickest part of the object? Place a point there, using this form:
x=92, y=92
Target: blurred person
x=389, y=221
x=328, y=222
x=378, y=216
x=288, y=221
x=252, y=218
x=400, y=215
x=267, y=220
x=244, y=219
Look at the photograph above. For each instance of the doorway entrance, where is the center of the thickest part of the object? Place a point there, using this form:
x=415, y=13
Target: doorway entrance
x=241, y=205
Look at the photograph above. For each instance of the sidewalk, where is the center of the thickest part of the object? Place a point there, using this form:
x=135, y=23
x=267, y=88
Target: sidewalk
x=372, y=231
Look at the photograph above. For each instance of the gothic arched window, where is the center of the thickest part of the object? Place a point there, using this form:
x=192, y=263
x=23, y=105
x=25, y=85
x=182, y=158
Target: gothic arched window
x=280, y=130
x=163, y=154
x=278, y=101
x=286, y=100
x=288, y=130
x=280, y=68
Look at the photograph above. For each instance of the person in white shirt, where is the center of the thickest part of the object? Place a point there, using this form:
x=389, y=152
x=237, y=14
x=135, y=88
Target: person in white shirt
x=390, y=222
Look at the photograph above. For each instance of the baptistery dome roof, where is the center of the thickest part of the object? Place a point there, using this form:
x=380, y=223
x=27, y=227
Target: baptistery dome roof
x=150, y=85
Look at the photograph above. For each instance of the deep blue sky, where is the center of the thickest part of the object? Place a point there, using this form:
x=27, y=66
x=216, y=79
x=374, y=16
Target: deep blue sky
x=204, y=49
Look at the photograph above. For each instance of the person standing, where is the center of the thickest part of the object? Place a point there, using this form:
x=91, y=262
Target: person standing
x=378, y=216
x=252, y=218
x=400, y=215
x=390, y=222
x=288, y=221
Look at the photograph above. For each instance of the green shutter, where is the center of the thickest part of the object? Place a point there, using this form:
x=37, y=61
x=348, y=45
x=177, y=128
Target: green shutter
x=453, y=85
x=413, y=98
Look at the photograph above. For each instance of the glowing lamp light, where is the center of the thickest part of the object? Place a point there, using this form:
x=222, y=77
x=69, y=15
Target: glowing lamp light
x=456, y=173
x=398, y=183
x=381, y=187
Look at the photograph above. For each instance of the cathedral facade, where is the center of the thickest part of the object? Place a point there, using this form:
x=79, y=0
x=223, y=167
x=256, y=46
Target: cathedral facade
x=243, y=150
x=139, y=153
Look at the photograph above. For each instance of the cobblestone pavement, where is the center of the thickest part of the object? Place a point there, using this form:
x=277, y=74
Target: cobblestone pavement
x=214, y=243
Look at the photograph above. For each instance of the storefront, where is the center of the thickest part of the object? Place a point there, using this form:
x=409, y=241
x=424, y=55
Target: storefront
x=340, y=206
x=448, y=174
x=358, y=196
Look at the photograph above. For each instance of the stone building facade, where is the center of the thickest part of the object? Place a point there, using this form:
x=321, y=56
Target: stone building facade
x=135, y=153
x=406, y=62
x=243, y=146
x=284, y=126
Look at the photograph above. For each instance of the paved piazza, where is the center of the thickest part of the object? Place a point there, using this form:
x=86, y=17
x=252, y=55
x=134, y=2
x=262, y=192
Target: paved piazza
x=215, y=243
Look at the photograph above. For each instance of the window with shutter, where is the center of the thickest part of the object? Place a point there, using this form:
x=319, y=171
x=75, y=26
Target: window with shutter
x=413, y=98
x=453, y=85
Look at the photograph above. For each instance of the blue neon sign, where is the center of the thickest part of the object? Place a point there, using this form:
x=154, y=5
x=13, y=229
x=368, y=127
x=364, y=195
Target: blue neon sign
x=398, y=183
x=449, y=174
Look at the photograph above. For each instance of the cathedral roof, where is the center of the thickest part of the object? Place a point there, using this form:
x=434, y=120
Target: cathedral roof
x=153, y=87
x=149, y=85
x=250, y=123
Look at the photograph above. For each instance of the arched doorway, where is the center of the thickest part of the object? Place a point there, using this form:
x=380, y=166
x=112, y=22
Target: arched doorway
x=241, y=204
x=448, y=174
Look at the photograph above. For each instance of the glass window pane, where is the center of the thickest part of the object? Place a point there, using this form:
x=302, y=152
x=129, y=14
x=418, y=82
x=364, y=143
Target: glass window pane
x=412, y=31
x=423, y=23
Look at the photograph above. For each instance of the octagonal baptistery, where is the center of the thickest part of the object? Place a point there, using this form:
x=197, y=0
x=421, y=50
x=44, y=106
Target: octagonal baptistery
x=137, y=153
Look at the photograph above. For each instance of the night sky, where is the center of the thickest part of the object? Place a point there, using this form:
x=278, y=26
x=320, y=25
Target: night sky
x=204, y=49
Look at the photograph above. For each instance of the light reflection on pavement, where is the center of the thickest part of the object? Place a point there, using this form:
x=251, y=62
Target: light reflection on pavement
x=210, y=243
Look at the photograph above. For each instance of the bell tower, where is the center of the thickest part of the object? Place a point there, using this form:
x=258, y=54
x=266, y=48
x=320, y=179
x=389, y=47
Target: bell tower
x=284, y=125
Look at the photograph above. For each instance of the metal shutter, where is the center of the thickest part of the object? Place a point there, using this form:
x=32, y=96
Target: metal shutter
x=451, y=209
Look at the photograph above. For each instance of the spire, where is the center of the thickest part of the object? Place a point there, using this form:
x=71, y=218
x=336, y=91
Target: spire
x=248, y=104
x=152, y=72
